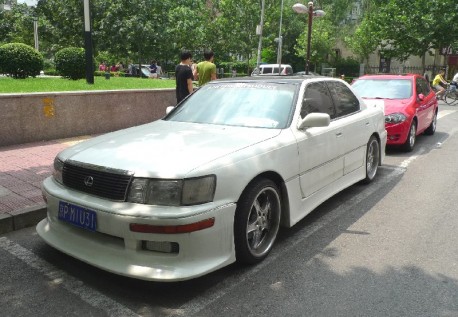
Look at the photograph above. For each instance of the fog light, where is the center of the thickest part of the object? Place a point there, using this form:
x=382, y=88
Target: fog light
x=161, y=246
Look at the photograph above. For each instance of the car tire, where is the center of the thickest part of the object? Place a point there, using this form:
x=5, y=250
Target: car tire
x=432, y=127
x=257, y=220
x=372, y=159
x=411, y=137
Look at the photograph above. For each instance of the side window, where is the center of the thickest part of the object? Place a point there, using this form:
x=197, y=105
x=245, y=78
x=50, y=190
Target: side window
x=425, y=89
x=267, y=70
x=344, y=99
x=317, y=99
x=418, y=86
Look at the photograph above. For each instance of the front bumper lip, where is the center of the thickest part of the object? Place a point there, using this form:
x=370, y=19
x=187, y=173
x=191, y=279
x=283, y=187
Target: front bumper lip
x=115, y=248
x=397, y=133
x=131, y=263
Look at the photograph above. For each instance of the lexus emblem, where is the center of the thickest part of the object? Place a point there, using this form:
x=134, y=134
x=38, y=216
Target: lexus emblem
x=88, y=181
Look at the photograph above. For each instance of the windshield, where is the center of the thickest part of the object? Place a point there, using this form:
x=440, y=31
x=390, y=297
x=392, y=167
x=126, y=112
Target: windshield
x=383, y=88
x=249, y=104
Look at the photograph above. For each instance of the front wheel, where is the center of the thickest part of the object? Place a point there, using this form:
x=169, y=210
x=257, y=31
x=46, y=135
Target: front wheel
x=257, y=220
x=432, y=127
x=411, y=137
x=450, y=98
x=372, y=159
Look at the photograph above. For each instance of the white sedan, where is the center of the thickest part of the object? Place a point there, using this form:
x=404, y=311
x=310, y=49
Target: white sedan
x=211, y=182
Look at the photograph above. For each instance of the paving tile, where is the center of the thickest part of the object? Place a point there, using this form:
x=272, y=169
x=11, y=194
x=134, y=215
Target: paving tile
x=14, y=202
x=4, y=209
x=23, y=168
x=4, y=191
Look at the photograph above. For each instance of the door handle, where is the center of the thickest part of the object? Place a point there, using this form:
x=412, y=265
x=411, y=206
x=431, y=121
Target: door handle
x=339, y=134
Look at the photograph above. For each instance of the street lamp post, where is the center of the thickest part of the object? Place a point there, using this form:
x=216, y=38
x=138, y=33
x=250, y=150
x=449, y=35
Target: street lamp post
x=88, y=43
x=280, y=39
x=302, y=9
x=35, y=32
x=259, y=32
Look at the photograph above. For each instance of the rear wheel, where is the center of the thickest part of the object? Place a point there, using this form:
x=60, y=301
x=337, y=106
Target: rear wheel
x=432, y=127
x=372, y=159
x=257, y=220
x=411, y=137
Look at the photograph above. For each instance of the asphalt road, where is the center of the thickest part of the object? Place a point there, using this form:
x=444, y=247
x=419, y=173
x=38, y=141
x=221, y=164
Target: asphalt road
x=386, y=249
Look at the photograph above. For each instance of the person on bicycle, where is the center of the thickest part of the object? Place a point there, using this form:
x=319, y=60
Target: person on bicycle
x=454, y=83
x=438, y=80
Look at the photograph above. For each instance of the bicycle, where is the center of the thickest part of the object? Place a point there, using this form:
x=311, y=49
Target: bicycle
x=451, y=95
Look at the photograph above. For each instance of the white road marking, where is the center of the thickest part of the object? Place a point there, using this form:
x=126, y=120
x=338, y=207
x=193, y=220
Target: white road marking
x=412, y=158
x=58, y=277
x=421, y=150
x=443, y=113
x=213, y=294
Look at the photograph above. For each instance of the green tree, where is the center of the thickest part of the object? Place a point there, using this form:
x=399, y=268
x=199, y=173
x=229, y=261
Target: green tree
x=413, y=27
x=322, y=43
x=232, y=31
x=365, y=39
x=17, y=25
x=62, y=24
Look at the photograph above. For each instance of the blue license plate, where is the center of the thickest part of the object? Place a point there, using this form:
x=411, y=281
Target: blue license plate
x=77, y=216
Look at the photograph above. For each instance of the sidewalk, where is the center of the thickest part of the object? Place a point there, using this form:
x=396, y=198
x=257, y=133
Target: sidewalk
x=22, y=170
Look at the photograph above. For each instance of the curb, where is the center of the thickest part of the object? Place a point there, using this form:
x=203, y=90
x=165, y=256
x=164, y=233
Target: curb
x=23, y=218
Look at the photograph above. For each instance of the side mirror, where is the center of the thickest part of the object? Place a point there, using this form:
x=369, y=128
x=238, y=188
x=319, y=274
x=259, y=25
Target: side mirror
x=314, y=120
x=421, y=97
x=169, y=109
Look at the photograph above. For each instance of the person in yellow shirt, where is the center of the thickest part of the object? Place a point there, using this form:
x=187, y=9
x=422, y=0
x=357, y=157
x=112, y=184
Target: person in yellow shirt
x=437, y=81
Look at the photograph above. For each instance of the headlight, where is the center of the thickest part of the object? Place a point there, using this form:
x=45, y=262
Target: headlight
x=395, y=118
x=58, y=167
x=181, y=192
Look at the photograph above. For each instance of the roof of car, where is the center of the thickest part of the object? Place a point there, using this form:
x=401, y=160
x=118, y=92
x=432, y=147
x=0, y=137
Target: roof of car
x=270, y=78
x=390, y=76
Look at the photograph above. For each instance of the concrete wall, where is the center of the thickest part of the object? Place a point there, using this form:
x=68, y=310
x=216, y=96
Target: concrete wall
x=48, y=116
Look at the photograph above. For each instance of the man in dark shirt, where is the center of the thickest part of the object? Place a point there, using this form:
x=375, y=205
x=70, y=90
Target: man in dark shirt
x=183, y=75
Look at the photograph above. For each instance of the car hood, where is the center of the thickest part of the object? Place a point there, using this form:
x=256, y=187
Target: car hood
x=165, y=149
x=389, y=105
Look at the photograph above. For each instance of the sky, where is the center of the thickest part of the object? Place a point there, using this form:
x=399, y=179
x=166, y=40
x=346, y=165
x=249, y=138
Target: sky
x=28, y=2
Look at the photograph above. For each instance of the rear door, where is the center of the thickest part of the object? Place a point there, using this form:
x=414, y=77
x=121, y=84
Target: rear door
x=354, y=128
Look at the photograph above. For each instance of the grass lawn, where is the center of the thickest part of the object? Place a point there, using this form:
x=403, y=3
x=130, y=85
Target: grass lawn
x=53, y=84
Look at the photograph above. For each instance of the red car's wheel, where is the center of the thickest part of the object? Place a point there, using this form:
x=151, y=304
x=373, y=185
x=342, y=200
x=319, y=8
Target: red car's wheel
x=411, y=137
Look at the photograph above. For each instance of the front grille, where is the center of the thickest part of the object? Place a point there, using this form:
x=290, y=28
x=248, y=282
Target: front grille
x=97, y=180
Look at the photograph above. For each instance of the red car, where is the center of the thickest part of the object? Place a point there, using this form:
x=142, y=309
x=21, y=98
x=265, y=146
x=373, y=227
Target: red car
x=409, y=103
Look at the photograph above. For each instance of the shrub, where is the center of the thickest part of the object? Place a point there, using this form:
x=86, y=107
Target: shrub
x=347, y=66
x=20, y=60
x=51, y=72
x=71, y=63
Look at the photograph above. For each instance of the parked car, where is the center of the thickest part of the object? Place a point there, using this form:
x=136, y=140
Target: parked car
x=211, y=182
x=409, y=103
x=273, y=69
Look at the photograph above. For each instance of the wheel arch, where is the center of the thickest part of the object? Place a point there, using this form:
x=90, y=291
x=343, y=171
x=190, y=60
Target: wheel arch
x=279, y=181
x=377, y=136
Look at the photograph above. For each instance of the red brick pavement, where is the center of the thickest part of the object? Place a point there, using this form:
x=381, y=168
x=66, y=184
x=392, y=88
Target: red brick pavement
x=22, y=170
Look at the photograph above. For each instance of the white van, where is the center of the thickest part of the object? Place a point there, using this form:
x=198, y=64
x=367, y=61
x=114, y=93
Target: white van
x=272, y=69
